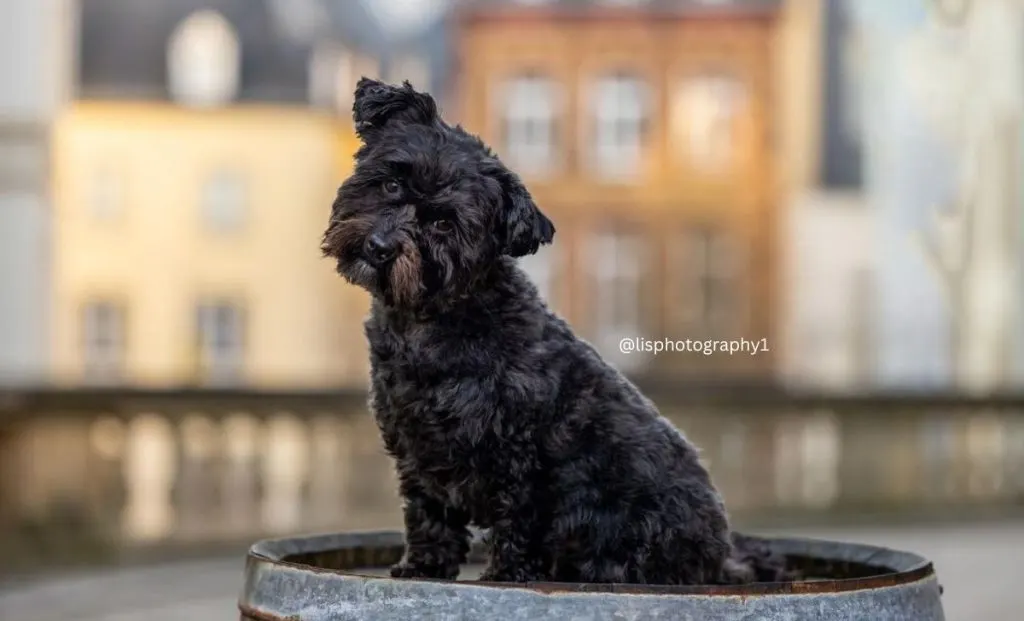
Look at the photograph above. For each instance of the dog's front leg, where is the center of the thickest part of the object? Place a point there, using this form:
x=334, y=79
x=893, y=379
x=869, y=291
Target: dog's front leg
x=436, y=538
x=517, y=554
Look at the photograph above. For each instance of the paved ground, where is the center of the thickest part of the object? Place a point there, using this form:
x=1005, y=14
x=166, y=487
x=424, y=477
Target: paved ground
x=981, y=567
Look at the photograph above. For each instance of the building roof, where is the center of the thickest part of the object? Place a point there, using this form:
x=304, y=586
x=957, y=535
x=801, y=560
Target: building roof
x=402, y=17
x=123, y=43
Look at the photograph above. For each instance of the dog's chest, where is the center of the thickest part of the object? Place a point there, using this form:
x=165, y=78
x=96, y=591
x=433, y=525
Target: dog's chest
x=415, y=394
x=450, y=466
x=420, y=367
x=430, y=440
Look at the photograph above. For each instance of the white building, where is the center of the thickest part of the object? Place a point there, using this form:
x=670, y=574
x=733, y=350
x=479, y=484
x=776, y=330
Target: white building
x=828, y=230
x=829, y=257
x=944, y=150
x=35, y=39
x=905, y=262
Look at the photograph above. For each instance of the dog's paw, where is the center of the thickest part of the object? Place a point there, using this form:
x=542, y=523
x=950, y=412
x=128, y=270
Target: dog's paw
x=418, y=570
x=513, y=574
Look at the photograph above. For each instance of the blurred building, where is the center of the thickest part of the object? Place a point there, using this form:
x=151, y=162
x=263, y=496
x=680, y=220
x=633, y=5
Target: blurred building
x=34, y=55
x=942, y=153
x=193, y=177
x=828, y=233
x=645, y=131
x=905, y=251
x=908, y=173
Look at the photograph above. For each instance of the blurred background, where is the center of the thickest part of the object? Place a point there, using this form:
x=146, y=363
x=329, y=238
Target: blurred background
x=181, y=373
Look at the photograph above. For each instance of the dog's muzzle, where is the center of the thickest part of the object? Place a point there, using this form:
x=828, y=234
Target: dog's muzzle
x=380, y=250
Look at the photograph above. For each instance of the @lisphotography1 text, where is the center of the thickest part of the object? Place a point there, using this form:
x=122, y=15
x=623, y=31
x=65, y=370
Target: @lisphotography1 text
x=707, y=347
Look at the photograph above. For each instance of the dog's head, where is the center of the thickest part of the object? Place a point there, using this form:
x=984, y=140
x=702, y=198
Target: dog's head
x=429, y=208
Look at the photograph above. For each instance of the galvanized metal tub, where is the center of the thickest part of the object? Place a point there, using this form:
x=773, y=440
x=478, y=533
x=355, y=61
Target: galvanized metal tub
x=343, y=577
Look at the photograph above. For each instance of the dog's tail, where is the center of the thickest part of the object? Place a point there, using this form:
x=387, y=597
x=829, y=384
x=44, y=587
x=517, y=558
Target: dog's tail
x=753, y=560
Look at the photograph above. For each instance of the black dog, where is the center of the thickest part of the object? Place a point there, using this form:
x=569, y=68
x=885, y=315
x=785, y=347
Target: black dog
x=496, y=414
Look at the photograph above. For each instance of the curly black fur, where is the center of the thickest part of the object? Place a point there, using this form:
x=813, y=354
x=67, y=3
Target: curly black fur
x=754, y=561
x=496, y=414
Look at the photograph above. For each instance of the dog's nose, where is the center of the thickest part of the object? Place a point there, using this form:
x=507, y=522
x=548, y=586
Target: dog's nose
x=380, y=250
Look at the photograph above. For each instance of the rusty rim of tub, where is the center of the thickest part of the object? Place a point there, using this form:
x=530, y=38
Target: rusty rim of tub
x=867, y=567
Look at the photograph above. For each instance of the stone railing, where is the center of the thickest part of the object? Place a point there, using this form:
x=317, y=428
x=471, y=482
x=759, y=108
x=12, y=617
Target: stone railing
x=94, y=474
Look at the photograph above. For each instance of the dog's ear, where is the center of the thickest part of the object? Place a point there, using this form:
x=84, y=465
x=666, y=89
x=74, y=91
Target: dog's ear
x=377, y=103
x=522, y=226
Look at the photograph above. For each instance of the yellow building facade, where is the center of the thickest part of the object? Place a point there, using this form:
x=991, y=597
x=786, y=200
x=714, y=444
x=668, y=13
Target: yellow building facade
x=187, y=247
x=193, y=175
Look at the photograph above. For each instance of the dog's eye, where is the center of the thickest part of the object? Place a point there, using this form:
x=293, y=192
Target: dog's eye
x=392, y=187
x=443, y=226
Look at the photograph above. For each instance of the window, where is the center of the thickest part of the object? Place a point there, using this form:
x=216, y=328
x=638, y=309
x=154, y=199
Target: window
x=105, y=195
x=618, y=261
x=529, y=116
x=620, y=115
x=223, y=202
x=103, y=344
x=540, y=267
x=221, y=342
x=706, y=114
x=203, y=60
x=709, y=302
